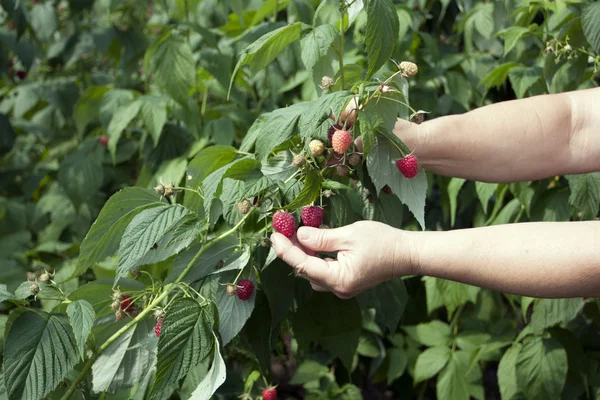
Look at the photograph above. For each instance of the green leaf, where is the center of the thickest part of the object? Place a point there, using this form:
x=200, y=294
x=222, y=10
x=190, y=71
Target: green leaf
x=485, y=191
x=81, y=173
x=453, y=189
x=129, y=361
x=316, y=43
x=381, y=34
x=498, y=75
x=507, y=376
x=310, y=191
x=523, y=78
x=278, y=282
x=430, y=362
x=88, y=106
x=434, y=333
x=278, y=127
x=389, y=300
x=315, y=121
x=43, y=20
x=452, y=382
x=40, y=351
x=442, y=292
x=144, y=231
x=185, y=340
x=233, y=313
x=81, y=316
x=383, y=171
x=214, y=378
x=104, y=236
x=589, y=20
x=154, y=114
x=5, y=294
x=397, y=360
x=308, y=371
x=585, y=193
x=263, y=51
x=552, y=206
x=542, y=369
x=550, y=312
x=171, y=62
x=512, y=36
x=119, y=121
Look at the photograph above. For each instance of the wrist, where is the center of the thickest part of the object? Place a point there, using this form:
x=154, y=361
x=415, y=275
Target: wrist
x=407, y=254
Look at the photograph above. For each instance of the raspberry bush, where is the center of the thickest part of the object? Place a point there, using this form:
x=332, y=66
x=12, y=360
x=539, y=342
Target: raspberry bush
x=148, y=149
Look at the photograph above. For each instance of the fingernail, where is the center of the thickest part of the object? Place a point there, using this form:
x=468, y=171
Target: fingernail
x=274, y=241
x=303, y=233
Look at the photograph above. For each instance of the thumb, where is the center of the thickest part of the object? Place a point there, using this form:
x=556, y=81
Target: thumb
x=324, y=239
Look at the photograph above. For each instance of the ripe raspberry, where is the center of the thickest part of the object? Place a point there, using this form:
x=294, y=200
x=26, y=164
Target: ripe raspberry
x=408, y=165
x=354, y=159
x=341, y=141
x=332, y=130
x=103, y=140
x=158, y=327
x=244, y=206
x=21, y=75
x=269, y=393
x=312, y=216
x=245, y=289
x=316, y=148
x=126, y=302
x=284, y=223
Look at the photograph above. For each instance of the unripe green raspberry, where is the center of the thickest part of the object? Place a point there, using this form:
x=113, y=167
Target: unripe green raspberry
x=408, y=68
x=244, y=206
x=299, y=160
x=316, y=148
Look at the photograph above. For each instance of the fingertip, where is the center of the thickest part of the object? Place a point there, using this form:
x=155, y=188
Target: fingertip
x=304, y=232
x=278, y=241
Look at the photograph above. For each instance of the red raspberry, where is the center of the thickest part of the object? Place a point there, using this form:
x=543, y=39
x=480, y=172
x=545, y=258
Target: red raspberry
x=21, y=75
x=269, y=393
x=126, y=302
x=284, y=223
x=341, y=141
x=158, y=327
x=409, y=166
x=245, y=289
x=103, y=140
x=312, y=216
x=332, y=130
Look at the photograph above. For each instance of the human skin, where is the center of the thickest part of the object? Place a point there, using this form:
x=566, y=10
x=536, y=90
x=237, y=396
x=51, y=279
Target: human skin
x=513, y=141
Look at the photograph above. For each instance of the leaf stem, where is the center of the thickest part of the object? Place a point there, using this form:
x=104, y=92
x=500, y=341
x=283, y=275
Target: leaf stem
x=166, y=290
x=341, y=52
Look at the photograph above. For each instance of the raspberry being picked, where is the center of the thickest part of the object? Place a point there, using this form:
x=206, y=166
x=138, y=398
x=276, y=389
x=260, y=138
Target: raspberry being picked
x=245, y=289
x=408, y=166
x=269, y=393
x=284, y=223
x=341, y=141
x=312, y=216
x=126, y=302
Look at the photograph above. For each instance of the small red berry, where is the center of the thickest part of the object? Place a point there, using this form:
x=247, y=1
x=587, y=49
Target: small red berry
x=409, y=166
x=21, y=75
x=126, y=302
x=284, y=223
x=158, y=327
x=341, y=141
x=269, y=393
x=103, y=140
x=332, y=130
x=312, y=216
x=245, y=289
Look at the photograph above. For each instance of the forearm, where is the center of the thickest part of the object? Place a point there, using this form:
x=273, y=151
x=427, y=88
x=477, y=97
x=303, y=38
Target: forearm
x=552, y=260
x=512, y=141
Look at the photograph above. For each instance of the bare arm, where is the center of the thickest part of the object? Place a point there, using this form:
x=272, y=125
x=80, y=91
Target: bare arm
x=518, y=140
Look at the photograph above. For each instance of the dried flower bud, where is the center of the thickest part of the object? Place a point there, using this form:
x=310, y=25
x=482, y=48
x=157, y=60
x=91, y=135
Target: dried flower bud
x=115, y=305
x=244, y=206
x=44, y=277
x=327, y=82
x=119, y=315
x=299, y=160
x=341, y=170
x=169, y=190
x=354, y=159
x=265, y=242
x=231, y=289
x=160, y=189
x=34, y=288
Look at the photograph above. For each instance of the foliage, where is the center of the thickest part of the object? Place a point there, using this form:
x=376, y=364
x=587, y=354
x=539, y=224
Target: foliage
x=131, y=130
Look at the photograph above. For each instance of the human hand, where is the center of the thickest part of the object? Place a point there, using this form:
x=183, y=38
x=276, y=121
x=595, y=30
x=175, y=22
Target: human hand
x=368, y=253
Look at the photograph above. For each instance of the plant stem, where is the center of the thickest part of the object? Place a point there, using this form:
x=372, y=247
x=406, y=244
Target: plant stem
x=166, y=290
x=341, y=52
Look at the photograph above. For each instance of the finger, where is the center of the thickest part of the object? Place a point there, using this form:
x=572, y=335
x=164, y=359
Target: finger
x=295, y=242
x=312, y=268
x=324, y=239
x=358, y=144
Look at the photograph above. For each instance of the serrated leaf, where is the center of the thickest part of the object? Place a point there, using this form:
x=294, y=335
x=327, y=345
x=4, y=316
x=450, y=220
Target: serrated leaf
x=316, y=43
x=87, y=107
x=104, y=236
x=541, y=369
x=40, y=351
x=263, y=51
x=310, y=191
x=507, y=376
x=142, y=233
x=383, y=171
x=214, y=378
x=498, y=75
x=43, y=20
x=485, y=191
x=171, y=62
x=585, y=193
x=550, y=312
x=279, y=126
x=81, y=316
x=81, y=173
x=430, y=362
x=452, y=382
x=589, y=21
x=434, y=333
x=129, y=361
x=381, y=34
x=119, y=121
x=154, y=113
x=318, y=113
x=523, y=78
x=278, y=282
x=185, y=340
x=5, y=294
x=512, y=36
x=389, y=300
